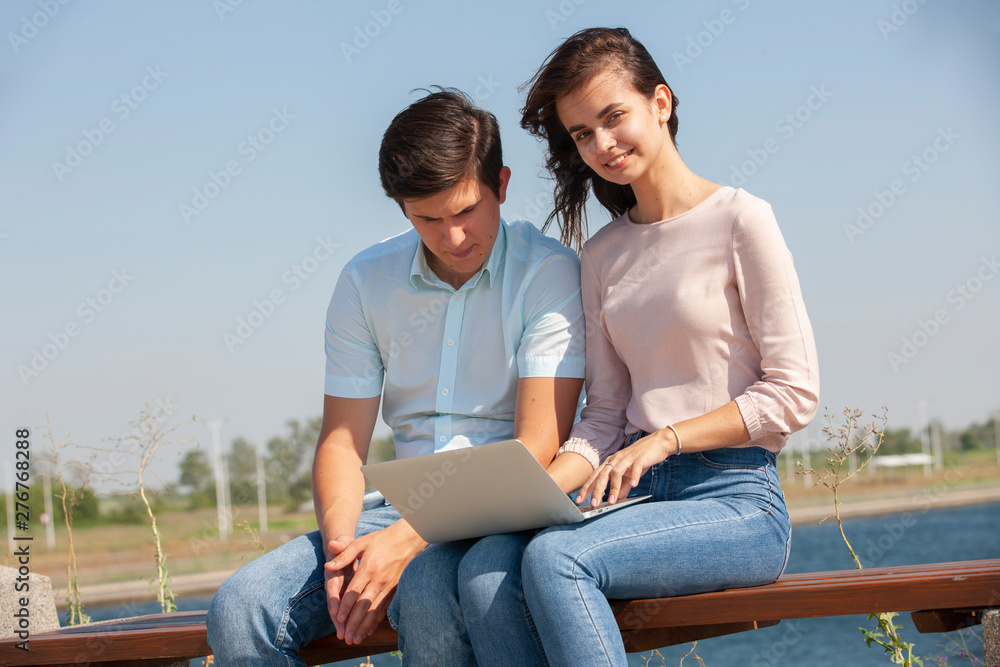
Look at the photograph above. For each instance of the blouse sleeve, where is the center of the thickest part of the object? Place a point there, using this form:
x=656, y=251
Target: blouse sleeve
x=601, y=429
x=786, y=396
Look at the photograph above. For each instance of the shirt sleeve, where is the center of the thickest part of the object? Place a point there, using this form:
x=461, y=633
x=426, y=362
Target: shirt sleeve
x=601, y=429
x=553, y=343
x=786, y=397
x=353, y=361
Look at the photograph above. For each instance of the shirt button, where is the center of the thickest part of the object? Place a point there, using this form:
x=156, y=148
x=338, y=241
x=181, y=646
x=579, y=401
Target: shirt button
x=442, y=438
x=451, y=343
x=444, y=392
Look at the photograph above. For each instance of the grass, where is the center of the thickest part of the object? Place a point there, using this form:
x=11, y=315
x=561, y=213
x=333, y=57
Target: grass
x=109, y=552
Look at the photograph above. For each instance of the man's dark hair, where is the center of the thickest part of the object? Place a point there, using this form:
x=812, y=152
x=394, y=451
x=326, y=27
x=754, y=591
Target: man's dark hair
x=434, y=143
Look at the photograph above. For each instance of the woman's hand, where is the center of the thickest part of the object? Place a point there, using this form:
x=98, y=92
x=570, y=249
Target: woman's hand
x=626, y=466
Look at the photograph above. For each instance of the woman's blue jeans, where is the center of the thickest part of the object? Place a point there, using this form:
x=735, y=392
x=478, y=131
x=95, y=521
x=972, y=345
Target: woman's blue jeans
x=717, y=520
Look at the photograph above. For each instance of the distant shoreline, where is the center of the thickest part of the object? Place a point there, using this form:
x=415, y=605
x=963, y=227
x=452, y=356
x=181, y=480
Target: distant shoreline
x=922, y=502
x=206, y=583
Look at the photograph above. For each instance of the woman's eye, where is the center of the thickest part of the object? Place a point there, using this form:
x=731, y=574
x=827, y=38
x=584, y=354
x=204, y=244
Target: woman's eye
x=615, y=116
x=582, y=135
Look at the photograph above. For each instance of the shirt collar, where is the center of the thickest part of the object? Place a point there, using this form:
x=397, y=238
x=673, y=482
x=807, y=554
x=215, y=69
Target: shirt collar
x=419, y=269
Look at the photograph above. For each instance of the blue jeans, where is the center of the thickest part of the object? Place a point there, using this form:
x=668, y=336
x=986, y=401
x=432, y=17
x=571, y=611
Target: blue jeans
x=272, y=607
x=717, y=520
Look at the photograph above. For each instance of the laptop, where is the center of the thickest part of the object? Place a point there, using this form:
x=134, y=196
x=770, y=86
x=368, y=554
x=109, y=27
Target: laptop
x=475, y=491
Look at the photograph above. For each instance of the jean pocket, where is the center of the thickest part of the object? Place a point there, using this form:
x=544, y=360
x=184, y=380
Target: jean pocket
x=729, y=458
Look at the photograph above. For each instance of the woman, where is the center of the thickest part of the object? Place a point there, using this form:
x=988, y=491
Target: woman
x=700, y=358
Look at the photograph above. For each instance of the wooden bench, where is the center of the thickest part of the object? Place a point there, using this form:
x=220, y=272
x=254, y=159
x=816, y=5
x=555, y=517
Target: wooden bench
x=941, y=596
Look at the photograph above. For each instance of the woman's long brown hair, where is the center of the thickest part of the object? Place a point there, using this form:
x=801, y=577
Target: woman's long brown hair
x=570, y=66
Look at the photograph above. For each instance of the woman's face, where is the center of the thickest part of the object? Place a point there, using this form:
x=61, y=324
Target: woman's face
x=617, y=129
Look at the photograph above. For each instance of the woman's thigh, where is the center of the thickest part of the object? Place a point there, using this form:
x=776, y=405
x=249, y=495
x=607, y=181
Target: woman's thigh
x=717, y=520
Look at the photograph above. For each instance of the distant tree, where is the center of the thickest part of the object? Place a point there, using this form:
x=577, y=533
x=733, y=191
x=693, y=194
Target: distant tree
x=290, y=460
x=242, y=461
x=899, y=441
x=196, y=472
x=970, y=441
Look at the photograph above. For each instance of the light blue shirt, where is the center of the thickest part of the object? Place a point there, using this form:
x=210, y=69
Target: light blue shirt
x=447, y=361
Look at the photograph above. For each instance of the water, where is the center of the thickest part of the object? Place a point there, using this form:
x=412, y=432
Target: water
x=927, y=536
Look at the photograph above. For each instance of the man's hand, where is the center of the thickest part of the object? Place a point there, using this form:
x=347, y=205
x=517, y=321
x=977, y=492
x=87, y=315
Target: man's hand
x=373, y=564
x=336, y=580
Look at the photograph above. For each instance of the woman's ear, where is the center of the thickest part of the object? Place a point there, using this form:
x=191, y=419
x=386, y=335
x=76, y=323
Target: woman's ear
x=662, y=102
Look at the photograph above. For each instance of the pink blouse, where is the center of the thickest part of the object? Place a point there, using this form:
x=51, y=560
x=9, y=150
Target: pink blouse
x=687, y=314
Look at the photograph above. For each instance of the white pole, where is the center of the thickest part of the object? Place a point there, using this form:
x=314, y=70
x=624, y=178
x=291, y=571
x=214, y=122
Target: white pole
x=807, y=457
x=937, y=446
x=227, y=498
x=261, y=494
x=789, y=452
x=925, y=445
x=220, y=494
x=996, y=433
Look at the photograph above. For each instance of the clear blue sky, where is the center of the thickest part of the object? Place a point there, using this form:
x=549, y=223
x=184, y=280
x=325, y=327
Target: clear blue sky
x=115, y=113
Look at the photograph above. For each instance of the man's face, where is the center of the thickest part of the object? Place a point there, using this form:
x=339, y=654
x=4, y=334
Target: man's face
x=458, y=226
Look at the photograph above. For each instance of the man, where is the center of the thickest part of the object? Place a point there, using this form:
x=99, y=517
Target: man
x=469, y=330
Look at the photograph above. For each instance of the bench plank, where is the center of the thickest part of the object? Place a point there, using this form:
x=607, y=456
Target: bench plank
x=942, y=594
x=965, y=584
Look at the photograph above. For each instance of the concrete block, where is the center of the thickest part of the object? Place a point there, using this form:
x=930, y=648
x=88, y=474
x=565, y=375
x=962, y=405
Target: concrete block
x=41, y=604
x=991, y=638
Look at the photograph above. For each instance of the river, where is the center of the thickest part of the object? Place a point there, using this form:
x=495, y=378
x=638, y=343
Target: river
x=924, y=535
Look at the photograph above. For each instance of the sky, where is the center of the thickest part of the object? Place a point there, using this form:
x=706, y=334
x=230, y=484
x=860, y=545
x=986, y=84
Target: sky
x=182, y=182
